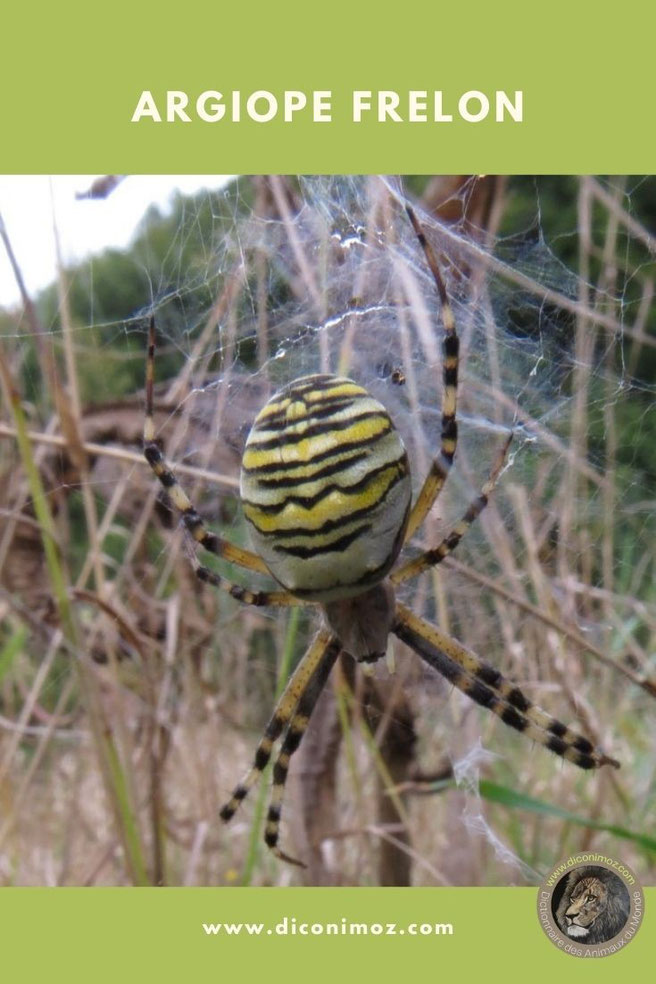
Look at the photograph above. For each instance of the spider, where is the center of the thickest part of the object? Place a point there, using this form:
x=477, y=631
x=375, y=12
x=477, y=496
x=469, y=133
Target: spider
x=326, y=490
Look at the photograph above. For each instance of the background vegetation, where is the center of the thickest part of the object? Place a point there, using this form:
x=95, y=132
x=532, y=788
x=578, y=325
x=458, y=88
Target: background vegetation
x=131, y=697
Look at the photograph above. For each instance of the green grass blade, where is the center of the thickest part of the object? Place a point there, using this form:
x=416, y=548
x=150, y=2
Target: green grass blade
x=117, y=786
x=11, y=649
x=519, y=801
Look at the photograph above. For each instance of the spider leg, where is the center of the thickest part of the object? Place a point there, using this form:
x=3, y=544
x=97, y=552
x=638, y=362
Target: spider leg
x=190, y=517
x=489, y=688
x=301, y=678
x=436, y=555
x=192, y=520
x=246, y=596
x=439, y=468
x=293, y=737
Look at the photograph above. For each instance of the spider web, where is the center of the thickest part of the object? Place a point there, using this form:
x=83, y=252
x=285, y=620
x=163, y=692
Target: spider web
x=551, y=283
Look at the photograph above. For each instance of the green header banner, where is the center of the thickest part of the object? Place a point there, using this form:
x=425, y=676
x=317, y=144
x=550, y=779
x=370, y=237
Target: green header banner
x=338, y=88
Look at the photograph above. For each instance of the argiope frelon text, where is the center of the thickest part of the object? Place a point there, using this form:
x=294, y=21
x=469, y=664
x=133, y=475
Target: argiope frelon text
x=326, y=490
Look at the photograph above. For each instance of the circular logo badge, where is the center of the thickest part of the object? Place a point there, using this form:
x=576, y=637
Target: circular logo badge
x=590, y=905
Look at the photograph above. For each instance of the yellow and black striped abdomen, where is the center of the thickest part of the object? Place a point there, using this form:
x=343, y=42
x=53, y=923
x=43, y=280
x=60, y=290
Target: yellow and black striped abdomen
x=326, y=489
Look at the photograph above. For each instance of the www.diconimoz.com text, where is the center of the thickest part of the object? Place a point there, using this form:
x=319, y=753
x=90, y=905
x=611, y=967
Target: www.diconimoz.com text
x=577, y=859
x=290, y=926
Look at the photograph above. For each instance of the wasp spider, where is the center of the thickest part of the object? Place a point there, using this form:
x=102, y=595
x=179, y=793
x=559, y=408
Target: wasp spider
x=326, y=490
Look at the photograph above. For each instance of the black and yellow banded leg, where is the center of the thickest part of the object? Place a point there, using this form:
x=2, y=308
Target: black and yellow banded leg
x=191, y=519
x=439, y=468
x=261, y=599
x=436, y=555
x=282, y=714
x=489, y=688
x=293, y=737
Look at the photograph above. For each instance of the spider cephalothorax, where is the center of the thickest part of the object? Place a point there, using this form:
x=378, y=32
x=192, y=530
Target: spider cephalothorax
x=326, y=490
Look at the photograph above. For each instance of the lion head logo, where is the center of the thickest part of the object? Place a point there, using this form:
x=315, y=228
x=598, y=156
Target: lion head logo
x=594, y=906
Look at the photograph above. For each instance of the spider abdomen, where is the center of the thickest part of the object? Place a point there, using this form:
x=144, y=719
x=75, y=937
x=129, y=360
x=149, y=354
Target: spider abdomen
x=326, y=489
